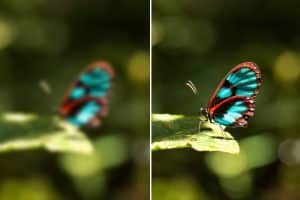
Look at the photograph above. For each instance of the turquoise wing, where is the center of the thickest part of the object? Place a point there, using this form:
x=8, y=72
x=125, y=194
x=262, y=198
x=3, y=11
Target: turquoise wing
x=234, y=111
x=233, y=102
x=86, y=102
x=243, y=80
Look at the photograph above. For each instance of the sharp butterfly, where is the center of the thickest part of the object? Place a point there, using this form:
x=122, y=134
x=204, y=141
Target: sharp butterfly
x=233, y=101
x=86, y=101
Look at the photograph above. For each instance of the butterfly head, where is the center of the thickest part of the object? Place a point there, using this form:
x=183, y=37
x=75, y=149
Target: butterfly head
x=204, y=112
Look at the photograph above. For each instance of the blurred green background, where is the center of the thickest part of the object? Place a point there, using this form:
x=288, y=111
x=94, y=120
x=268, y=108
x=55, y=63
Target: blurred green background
x=201, y=41
x=51, y=42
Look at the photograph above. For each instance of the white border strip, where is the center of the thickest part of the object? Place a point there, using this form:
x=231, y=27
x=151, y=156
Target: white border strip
x=150, y=133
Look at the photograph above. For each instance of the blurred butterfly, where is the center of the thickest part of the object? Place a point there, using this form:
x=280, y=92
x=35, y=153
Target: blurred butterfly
x=86, y=101
x=233, y=101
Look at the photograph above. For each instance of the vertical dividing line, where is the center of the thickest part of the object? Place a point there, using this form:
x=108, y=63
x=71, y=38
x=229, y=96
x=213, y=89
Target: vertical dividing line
x=150, y=134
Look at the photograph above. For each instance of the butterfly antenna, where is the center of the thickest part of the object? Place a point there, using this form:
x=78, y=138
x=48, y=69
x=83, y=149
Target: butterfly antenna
x=192, y=86
x=45, y=87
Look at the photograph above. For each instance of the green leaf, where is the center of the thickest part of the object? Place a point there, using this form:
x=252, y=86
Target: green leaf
x=20, y=131
x=179, y=131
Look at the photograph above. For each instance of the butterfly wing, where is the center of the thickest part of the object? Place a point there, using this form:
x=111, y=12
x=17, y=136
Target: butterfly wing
x=242, y=80
x=86, y=102
x=233, y=101
x=234, y=111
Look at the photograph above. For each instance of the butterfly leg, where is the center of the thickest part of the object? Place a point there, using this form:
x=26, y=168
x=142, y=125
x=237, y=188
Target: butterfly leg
x=199, y=125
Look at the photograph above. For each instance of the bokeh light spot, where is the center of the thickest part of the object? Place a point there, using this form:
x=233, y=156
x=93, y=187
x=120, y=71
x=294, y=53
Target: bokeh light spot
x=181, y=34
x=109, y=151
x=237, y=187
x=259, y=149
x=23, y=189
x=157, y=33
x=256, y=151
x=287, y=67
x=227, y=165
x=138, y=68
x=165, y=117
x=19, y=117
x=289, y=151
x=7, y=34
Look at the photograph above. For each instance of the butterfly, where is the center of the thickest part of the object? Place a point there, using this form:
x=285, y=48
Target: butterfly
x=233, y=101
x=86, y=101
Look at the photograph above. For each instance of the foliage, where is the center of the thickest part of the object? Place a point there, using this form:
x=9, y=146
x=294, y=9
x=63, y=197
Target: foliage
x=22, y=131
x=179, y=131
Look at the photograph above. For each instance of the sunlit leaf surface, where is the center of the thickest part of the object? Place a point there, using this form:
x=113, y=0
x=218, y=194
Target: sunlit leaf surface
x=19, y=131
x=178, y=131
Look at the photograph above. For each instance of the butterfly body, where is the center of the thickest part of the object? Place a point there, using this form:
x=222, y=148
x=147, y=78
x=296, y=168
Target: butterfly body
x=233, y=101
x=86, y=102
